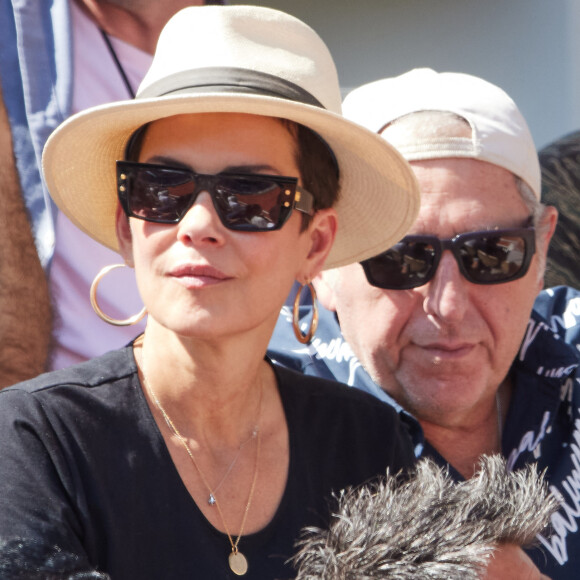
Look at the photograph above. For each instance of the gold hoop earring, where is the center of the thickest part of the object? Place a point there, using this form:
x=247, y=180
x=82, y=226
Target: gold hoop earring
x=304, y=338
x=93, y=295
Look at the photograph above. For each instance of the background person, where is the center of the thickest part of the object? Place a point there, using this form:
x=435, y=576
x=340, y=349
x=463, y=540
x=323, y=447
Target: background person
x=187, y=453
x=25, y=312
x=453, y=334
x=58, y=57
x=560, y=163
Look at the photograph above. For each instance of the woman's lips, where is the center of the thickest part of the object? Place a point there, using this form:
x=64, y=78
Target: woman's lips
x=198, y=276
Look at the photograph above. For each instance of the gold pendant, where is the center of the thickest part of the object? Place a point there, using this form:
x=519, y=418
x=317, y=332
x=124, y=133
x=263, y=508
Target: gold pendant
x=238, y=563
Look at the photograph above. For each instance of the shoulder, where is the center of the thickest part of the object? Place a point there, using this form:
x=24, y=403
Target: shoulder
x=324, y=415
x=324, y=397
x=559, y=308
x=93, y=379
x=92, y=405
x=103, y=369
x=328, y=355
x=558, y=300
x=285, y=348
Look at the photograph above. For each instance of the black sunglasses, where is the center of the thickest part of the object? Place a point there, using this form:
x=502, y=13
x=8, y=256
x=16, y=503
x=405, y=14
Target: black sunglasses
x=486, y=257
x=243, y=201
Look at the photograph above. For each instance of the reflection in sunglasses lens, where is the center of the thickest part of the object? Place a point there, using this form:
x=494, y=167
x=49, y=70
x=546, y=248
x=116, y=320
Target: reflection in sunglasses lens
x=243, y=202
x=249, y=201
x=419, y=258
x=406, y=265
x=483, y=257
x=489, y=259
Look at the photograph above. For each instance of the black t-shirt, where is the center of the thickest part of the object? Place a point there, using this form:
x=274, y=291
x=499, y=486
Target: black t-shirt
x=84, y=471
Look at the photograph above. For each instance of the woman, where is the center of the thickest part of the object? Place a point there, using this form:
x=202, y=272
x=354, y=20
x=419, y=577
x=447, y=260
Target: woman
x=188, y=454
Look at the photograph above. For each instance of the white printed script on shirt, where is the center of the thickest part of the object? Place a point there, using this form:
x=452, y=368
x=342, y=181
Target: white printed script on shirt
x=336, y=350
x=564, y=521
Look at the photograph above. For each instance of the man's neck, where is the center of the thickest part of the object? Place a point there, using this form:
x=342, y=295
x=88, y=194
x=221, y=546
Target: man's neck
x=137, y=22
x=461, y=445
x=462, y=448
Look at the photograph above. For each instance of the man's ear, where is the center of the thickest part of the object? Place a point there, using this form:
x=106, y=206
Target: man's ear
x=549, y=221
x=324, y=285
x=545, y=231
x=124, y=236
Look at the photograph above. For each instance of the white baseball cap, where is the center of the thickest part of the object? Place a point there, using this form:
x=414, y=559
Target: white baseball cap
x=499, y=132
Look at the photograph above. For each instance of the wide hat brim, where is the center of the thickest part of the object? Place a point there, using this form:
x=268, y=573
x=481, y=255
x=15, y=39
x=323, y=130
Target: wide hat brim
x=379, y=197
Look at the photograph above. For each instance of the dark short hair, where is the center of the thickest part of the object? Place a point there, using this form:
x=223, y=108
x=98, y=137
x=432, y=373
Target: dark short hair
x=317, y=166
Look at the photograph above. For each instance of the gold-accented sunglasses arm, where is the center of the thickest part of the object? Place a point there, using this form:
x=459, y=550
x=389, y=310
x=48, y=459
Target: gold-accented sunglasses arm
x=304, y=201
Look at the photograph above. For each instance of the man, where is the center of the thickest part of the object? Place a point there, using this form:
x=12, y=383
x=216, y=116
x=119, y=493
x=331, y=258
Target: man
x=58, y=57
x=443, y=329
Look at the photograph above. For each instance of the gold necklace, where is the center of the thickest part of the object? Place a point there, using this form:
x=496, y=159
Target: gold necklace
x=211, y=499
x=236, y=560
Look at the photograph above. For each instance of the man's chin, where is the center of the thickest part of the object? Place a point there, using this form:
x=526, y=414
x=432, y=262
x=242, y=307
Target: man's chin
x=440, y=395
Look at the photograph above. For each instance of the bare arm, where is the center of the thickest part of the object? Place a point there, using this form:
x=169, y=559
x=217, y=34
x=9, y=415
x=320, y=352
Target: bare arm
x=25, y=311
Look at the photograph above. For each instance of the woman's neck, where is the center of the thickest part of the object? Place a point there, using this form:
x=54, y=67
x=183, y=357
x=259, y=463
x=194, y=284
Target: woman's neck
x=211, y=391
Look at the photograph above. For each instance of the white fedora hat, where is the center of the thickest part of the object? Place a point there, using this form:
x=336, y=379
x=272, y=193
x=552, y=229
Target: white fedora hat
x=237, y=59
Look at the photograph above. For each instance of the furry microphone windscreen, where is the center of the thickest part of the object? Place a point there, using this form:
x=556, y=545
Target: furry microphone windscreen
x=426, y=525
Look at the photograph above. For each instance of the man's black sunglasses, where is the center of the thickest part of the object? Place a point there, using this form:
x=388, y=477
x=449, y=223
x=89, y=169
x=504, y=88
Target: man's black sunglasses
x=243, y=201
x=486, y=257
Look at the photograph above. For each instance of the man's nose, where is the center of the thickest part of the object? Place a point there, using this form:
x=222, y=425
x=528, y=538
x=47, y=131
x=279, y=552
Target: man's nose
x=447, y=294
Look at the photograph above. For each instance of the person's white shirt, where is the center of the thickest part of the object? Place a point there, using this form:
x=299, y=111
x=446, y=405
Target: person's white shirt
x=79, y=333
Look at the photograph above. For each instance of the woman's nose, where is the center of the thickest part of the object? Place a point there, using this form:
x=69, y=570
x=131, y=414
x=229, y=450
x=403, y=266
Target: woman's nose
x=201, y=223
